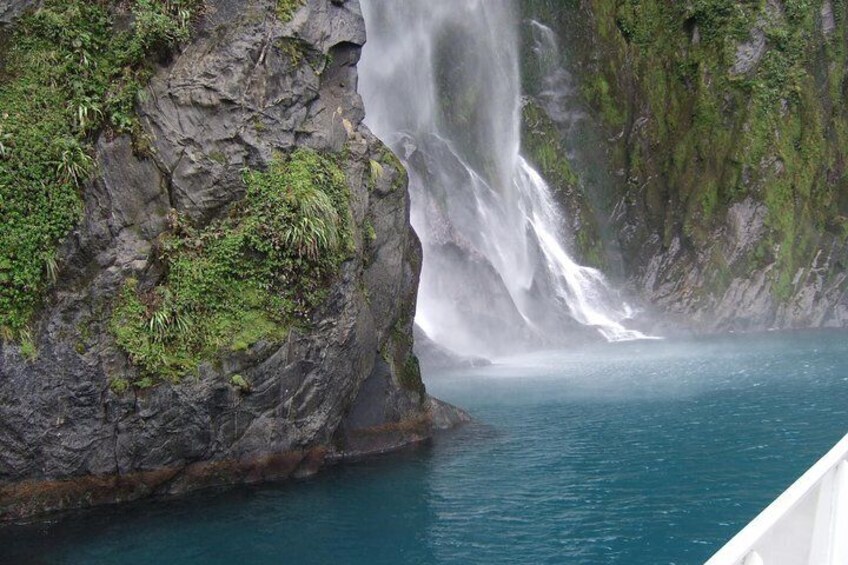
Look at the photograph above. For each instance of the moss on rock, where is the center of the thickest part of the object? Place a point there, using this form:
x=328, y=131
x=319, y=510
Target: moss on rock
x=68, y=74
x=724, y=101
x=543, y=146
x=242, y=279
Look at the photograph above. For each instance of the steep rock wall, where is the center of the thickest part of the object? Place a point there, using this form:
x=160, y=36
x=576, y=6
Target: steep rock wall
x=722, y=126
x=250, y=84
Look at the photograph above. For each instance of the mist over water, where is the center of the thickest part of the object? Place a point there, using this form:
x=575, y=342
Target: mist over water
x=441, y=86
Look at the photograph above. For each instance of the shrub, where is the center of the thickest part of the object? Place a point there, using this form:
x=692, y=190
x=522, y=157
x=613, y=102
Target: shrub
x=68, y=75
x=240, y=383
x=245, y=278
x=287, y=8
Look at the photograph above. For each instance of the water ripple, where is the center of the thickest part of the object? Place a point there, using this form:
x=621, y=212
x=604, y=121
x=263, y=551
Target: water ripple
x=632, y=453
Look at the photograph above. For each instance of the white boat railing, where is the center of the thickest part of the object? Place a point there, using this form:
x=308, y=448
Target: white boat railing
x=806, y=525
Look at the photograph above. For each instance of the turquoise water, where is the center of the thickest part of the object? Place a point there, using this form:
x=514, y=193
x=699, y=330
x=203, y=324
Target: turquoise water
x=645, y=452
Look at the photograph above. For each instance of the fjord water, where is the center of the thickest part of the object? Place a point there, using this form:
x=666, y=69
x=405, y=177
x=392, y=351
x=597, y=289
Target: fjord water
x=628, y=453
x=441, y=85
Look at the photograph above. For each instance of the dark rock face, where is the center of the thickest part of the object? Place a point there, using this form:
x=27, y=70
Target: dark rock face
x=10, y=10
x=246, y=87
x=434, y=357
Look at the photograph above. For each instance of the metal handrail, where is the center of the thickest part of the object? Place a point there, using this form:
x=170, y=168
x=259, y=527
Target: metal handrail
x=806, y=525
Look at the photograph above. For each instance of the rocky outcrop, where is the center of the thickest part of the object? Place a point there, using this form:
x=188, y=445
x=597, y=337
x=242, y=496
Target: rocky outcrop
x=247, y=86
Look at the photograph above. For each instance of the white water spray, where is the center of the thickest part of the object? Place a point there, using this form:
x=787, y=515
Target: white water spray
x=440, y=82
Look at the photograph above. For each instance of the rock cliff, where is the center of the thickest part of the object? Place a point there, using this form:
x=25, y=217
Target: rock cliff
x=709, y=140
x=699, y=150
x=80, y=422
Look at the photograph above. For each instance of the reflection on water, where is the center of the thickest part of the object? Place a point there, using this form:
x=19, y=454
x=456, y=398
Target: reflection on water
x=642, y=452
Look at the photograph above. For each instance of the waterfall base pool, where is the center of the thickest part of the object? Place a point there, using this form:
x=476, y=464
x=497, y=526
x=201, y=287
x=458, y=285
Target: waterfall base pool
x=639, y=452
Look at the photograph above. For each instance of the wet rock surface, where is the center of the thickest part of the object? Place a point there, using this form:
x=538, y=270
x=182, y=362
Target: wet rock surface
x=435, y=357
x=247, y=86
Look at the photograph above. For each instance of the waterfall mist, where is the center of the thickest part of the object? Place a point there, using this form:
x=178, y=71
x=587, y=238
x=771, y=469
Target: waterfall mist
x=441, y=85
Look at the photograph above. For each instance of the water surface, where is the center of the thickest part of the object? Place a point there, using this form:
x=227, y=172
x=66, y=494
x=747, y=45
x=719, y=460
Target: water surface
x=641, y=452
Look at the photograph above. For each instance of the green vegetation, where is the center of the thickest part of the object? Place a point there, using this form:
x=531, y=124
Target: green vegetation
x=389, y=159
x=119, y=385
x=287, y=8
x=409, y=375
x=370, y=233
x=245, y=278
x=295, y=49
x=377, y=172
x=68, y=74
x=542, y=144
x=397, y=352
x=240, y=383
x=718, y=131
x=596, y=90
x=28, y=349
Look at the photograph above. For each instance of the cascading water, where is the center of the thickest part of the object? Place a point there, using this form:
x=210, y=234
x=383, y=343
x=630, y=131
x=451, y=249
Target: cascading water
x=441, y=85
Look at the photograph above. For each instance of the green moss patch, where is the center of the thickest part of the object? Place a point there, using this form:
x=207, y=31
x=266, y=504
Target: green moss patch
x=245, y=278
x=715, y=135
x=410, y=375
x=541, y=141
x=67, y=74
x=542, y=144
x=286, y=9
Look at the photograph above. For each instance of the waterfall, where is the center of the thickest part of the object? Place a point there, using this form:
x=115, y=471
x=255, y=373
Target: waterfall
x=441, y=85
